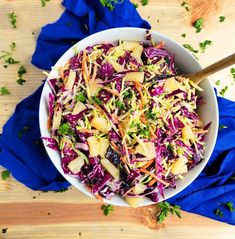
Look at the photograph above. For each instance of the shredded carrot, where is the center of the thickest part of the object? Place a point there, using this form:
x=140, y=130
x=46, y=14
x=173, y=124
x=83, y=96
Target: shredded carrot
x=114, y=92
x=96, y=195
x=152, y=133
x=48, y=123
x=129, y=190
x=143, y=170
x=115, y=118
x=148, y=164
x=160, y=44
x=143, y=119
x=121, y=130
x=115, y=147
x=94, y=73
x=138, y=87
x=84, y=66
x=152, y=182
x=123, y=159
x=127, y=169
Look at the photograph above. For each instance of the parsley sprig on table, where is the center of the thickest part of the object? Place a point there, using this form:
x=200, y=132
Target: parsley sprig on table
x=5, y=174
x=223, y=91
x=221, y=18
x=107, y=209
x=185, y=5
x=13, y=19
x=232, y=71
x=44, y=2
x=166, y=208
x=7, y=56
x=144, y=2
x=198, y=24
x=221, y=126
x=110, y=4
x=4, y=91
x=22, y=70
x=203, y=45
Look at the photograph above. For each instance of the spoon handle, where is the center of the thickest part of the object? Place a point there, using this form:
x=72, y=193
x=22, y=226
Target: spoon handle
x=197, y=77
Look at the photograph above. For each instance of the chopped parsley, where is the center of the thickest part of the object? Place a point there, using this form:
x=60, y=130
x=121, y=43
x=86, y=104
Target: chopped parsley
x=13, y=19
x=221, y=18
x=223, y=91
x=203, y=45
x=21, y=72
x=22, y=131
x=7, y=56
x=4, y=230
x=4, y=91
x=120, y=105
x=233, y=72
x=5, y=174
x=110, y=4
x=145, y=131
x=81, y=97
x=136, y=5
x=61, y=190
x=190, y=48
x=150, y=115
x=166, y=208
x=107, y=209
x=219, y=213
x=65, y=129
x=185, y=5
x=198, y=24
x=217, y=82
x=44, y=2
x=144, y=2
x=183, y=35
x=230, y=206
x=221, y=126
x=97, y=100
x=128, y=94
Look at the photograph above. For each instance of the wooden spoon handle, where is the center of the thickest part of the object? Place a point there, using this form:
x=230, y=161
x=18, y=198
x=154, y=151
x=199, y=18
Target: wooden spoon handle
x=219, y=65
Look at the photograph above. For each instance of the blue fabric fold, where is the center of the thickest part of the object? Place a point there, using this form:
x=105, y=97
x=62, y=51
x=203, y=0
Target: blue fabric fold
x=21, y=149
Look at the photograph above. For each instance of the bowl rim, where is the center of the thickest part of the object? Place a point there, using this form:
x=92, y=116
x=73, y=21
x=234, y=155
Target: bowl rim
x=86, y=40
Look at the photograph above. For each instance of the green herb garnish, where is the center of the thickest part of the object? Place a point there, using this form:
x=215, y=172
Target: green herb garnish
x=97, y=100
x=221, y=18
x=65, y=129
x=4, y=91
x=136, y=5
x=21, y=72
x=198, y=24
x=107, y=209
x=223, y=91
x=22, y=131
x=217, y=82
x=5, y=174
x=232, y=70
x=185, y=5
x=62, y=190
x=128, y=94
x=12, y=16
x=144, y=2
x=166, y=208
x=221, y=126
x=219, y=213
x=183, y=35
x=110, y=4
x=230, y=206
x=150, y=115
x=203, y=45
x=44, y=2
x=81, y=97
x=190, y=48
x=7, y=56
x=120, y=105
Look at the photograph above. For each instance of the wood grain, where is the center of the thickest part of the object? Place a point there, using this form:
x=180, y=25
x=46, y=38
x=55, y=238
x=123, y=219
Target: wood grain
x=25, y=212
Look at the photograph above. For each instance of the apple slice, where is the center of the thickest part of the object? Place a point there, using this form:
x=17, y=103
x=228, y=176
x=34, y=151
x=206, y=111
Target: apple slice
x=97, y=146
x=137, y=52
x=101, y=123
x=133, y=202
x=76, y=165
x=171, y=85
x=70, y=80
x=135, y=76
x=187, y=133
x=147, y=149
x=95, y=87
x=57, y=119
x=130, y=45
x=179, y=166
x=139, y=188
x=117, y=67
x=110, y=168
x=79, y=107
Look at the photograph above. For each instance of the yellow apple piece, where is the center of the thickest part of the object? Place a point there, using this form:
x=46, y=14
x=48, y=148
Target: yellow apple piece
x=94, y=87
x=147, y=149
x=69, y=81
x=76, y=165
x=171, y=85
x=139, y=188
x=117, y=67
x=137, y=52
x=101, y=123
x=110, y=168
x=79, y=107
x=57, y=119
x=97, y=146
x=135, y=76
x=187, y=133
x=133, y=202
x=130, y=45
x=179, y=166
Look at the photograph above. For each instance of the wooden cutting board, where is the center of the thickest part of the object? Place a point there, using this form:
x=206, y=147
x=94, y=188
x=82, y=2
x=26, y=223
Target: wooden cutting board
x=30, y=215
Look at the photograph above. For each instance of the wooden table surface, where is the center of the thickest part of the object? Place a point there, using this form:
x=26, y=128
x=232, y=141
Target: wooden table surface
x=31, y=215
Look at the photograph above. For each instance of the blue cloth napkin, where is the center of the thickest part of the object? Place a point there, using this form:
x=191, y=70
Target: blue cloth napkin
x=21, y=148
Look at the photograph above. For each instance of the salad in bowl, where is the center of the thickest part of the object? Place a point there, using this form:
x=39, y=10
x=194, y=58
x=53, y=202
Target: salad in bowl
x=123, y=122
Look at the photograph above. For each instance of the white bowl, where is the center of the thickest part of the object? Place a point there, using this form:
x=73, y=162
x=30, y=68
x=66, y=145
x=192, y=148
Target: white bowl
x=185, y=62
